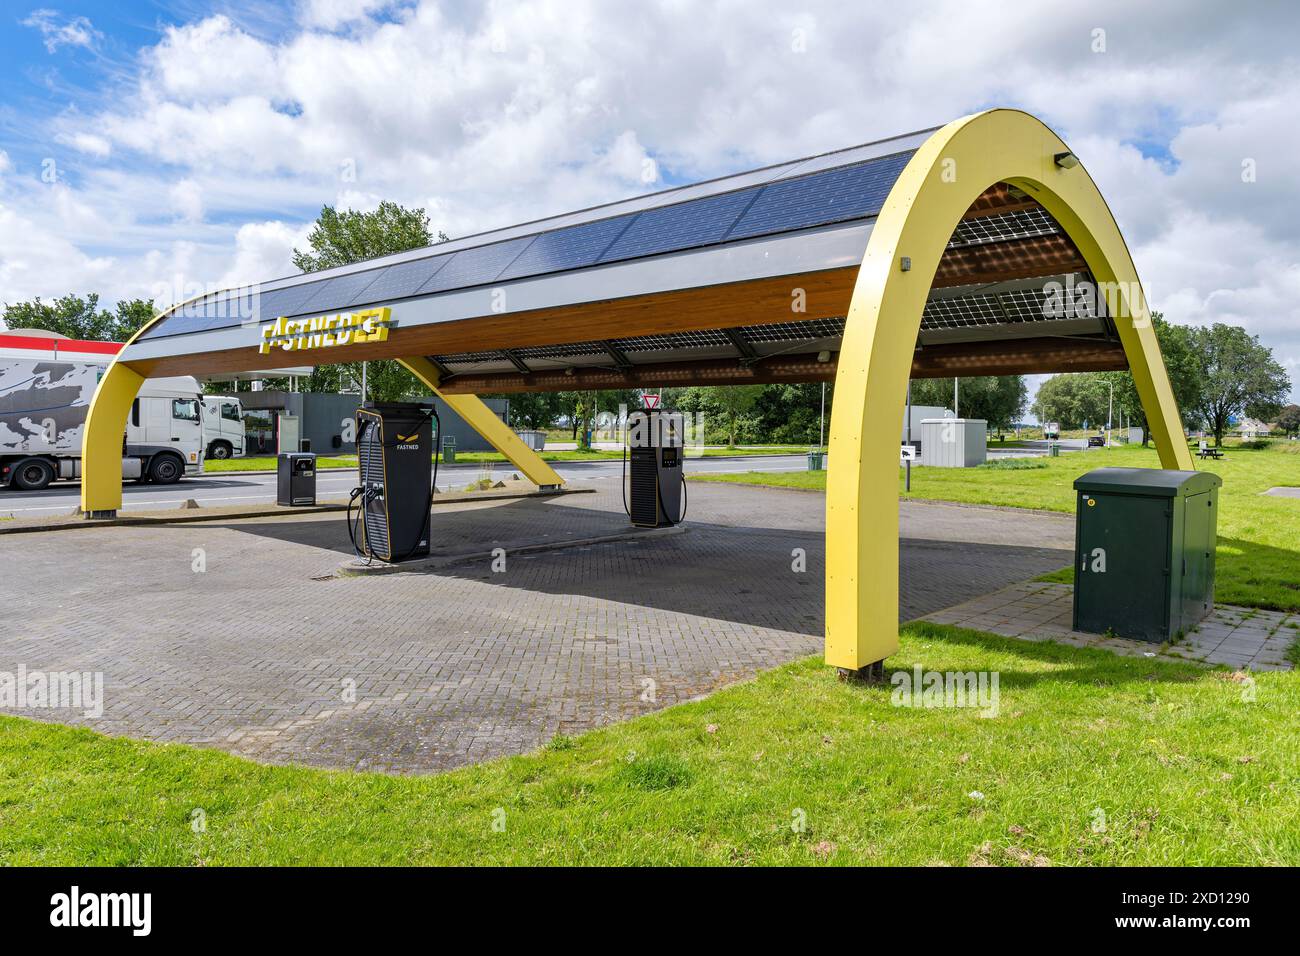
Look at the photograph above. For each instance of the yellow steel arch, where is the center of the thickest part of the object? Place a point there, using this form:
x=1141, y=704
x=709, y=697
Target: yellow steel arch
x=936, y=188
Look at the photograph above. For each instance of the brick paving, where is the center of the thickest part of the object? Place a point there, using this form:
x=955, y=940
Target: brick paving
x=239, y=635
x=1245, y=638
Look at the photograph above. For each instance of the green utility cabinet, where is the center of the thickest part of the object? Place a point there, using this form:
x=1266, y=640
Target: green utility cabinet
x=1144, y=551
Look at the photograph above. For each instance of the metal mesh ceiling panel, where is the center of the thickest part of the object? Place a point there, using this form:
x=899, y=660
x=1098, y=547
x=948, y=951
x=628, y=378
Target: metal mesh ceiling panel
x=1006, y=307
x=708, y=338
x=1004, y=226
x=807, y=331
x=571, y=350
x=467, y=358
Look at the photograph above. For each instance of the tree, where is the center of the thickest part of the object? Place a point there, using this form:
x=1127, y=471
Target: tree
x=582, y=407
x=726, y=410
x=998, y=399
x=734, y=402
x=791, y=414
x=1182, y=367
x=1239, y=376
x=340, y=238
x=533, y=410
x=1073, y=398
x=79, y=318
x=1289, y=419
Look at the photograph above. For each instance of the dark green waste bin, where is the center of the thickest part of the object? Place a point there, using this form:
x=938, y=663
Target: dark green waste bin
x=1144, y=551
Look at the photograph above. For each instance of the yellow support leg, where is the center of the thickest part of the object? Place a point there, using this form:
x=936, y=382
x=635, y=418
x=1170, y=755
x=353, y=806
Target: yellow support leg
x=486, y=423
x=101, y=448
x=908, y=239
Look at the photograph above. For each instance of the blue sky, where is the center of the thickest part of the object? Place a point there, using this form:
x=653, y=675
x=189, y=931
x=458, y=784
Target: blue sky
x=191, y=142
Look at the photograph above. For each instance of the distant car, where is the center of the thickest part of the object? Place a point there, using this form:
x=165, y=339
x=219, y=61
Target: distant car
x=1096, y=441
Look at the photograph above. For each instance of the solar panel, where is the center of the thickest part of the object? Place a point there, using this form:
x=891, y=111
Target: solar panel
x=670, y=228
x=835, y=195
x=477, y=266
x=570, y=248
x=403, y=279
x=287, y=301
x=850, y=192
x=215, y=311
x=340, y=292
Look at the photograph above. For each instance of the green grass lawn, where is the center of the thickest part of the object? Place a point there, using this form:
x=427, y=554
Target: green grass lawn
x=267, y=463
x=1092, y=759
x=1258, y=558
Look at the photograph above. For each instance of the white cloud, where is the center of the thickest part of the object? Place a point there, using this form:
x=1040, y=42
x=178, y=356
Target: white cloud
x=58, y=30
x=187, y=199
x=89, y=143
x=331, y=14
x=224, y=143
x=264, y=250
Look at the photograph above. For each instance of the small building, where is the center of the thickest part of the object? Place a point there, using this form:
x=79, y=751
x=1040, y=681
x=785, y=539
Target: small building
x=324, y=420
x=1252, y=428
x=954, y=442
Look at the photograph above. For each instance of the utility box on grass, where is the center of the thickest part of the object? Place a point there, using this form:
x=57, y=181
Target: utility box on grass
x=954, y=442
x=1144, y=551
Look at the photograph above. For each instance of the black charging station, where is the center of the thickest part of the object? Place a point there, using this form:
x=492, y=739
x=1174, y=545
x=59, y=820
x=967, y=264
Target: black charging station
x=395, y=442
x=656, y=490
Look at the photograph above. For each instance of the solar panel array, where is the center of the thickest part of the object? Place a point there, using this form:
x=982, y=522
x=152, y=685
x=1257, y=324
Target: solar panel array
x=823, y=198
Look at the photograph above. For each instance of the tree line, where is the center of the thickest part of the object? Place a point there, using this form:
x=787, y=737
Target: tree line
x=1218, y=373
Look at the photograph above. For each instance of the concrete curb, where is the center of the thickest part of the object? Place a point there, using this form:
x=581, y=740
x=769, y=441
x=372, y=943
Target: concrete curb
x=190, y=516
x=357, y=568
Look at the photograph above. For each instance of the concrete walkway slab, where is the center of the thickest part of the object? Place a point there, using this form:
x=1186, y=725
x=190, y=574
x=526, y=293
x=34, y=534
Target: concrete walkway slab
x=1238, y=637
x=1284, y=492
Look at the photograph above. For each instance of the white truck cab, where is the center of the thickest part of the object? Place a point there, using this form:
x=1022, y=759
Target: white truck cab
x=167, y=415
x=223, y=427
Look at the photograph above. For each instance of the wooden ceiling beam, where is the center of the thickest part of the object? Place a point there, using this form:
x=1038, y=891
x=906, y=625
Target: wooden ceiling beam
x=1013, y=357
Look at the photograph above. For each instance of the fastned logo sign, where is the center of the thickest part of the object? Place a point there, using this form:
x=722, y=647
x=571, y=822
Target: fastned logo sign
x=326, y=331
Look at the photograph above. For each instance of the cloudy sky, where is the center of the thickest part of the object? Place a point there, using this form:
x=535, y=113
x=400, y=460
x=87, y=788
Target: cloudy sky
x=151, y=146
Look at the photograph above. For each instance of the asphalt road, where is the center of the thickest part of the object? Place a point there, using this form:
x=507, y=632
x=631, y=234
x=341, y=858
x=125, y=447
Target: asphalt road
x=234, y=488
x=229, y=488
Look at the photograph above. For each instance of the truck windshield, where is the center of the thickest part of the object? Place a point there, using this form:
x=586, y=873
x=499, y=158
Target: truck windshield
x=186, y=409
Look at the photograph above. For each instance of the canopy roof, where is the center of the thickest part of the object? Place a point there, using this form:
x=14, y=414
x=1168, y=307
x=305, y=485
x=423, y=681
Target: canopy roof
x=743, y=278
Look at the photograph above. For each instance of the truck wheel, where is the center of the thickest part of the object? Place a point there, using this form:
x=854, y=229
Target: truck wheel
x=220, y=450
x=32, y=474
x=166, y=469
